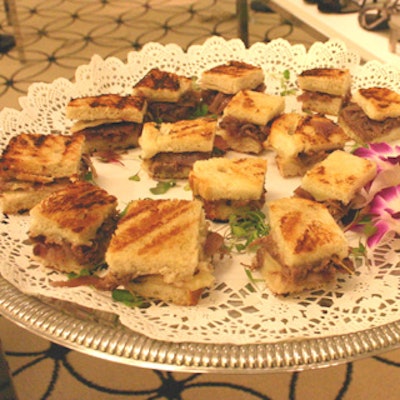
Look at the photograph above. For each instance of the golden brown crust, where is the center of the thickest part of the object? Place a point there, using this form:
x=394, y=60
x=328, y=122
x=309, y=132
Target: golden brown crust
x=41, y=158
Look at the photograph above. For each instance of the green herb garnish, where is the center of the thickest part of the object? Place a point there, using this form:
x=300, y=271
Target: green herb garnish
x=246, y=226
x=126, y=297
x=286, y=91
x=135, y=177
x=82, y=272
x=162, y=187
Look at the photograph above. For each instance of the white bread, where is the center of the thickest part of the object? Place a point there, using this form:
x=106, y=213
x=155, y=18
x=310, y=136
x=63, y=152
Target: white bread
x=23, y=199
x=302, y=140
x=107, y=107
x=334, y=81
x=162, y=86
x=340, y=176
x=183, y=294
x=321, y=103
x=73, y=214
x=178, y=137
x=224, y=178
x=232, y=77
x=254, y=107
x=159, y=237
x=41, y=158
x=378, y=103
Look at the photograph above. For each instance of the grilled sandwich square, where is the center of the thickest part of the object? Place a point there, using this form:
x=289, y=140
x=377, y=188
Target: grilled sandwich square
x=171, y=97
x=300, y=141
x=325, y=90
x=108, y=121
x=225, y=186
x=305, y=248
x=244, y=123
x=337, y=181
x=158, y=251
x=34, y=165
x=373, y=115
x=71, y=228
x=170, y=149
x=220, y=83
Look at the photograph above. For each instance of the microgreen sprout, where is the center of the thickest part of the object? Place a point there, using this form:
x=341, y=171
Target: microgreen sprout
x=285, y=80
x=245, y=227
x=162, y=187
x=128, y=298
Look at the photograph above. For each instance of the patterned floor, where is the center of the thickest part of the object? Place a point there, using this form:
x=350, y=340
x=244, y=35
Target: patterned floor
x=58, y=36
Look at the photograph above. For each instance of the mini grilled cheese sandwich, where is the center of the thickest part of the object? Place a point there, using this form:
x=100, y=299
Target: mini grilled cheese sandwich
x=109, y=121
x=170, y=149
x=220, y=83
x=325, y=90
x=337, y=180
x=300, y=141
x=71, y=228
x=158, y=251
x=373, y=115
x=244, y=123
x=226, y=185
x=34, y=165
x=171, y=97
x=305, y=248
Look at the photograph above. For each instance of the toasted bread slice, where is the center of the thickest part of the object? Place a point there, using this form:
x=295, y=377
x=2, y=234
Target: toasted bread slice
x=163, y=86
x=228, y=178
x=111, y=107
x=41, y=158
x=72, y=227
x=321, y=103
x=334, y=81
x=300, y=141
x=159, y=237
x=254, y=107
x=178, y=137
x=232, y=77
x=225, y=186
x=378, y=103
x=339, y=177
x=304, y=249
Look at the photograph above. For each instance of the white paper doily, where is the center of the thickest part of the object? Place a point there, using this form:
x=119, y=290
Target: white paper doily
x=232, y=311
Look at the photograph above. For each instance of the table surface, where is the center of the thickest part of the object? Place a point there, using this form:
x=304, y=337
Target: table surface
x=370, y=45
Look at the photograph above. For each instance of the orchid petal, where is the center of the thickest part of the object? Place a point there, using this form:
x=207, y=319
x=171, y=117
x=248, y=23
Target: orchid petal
x=382, y=229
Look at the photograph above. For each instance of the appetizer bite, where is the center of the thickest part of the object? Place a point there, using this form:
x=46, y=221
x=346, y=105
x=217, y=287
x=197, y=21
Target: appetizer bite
x=108, y=122
x=325, y=90
x=243, y=125
x=34, y=165
x=170, y=149
x=337, y=181
x=71, y=229
x=305, y=248
x=373, y=115
x=300, y=141
x=225, y=185
x=159, y=251
x=220, y=83
x=170, y=97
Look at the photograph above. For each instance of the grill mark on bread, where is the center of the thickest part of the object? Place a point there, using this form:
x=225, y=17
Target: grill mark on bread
x=109, y=100
x=157, y=79
x=324, y=72
x=383, y=97
x=156, y=214
x=233, y=68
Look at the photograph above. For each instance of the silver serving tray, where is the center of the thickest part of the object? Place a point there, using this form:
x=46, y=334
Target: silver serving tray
x=101, y=335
